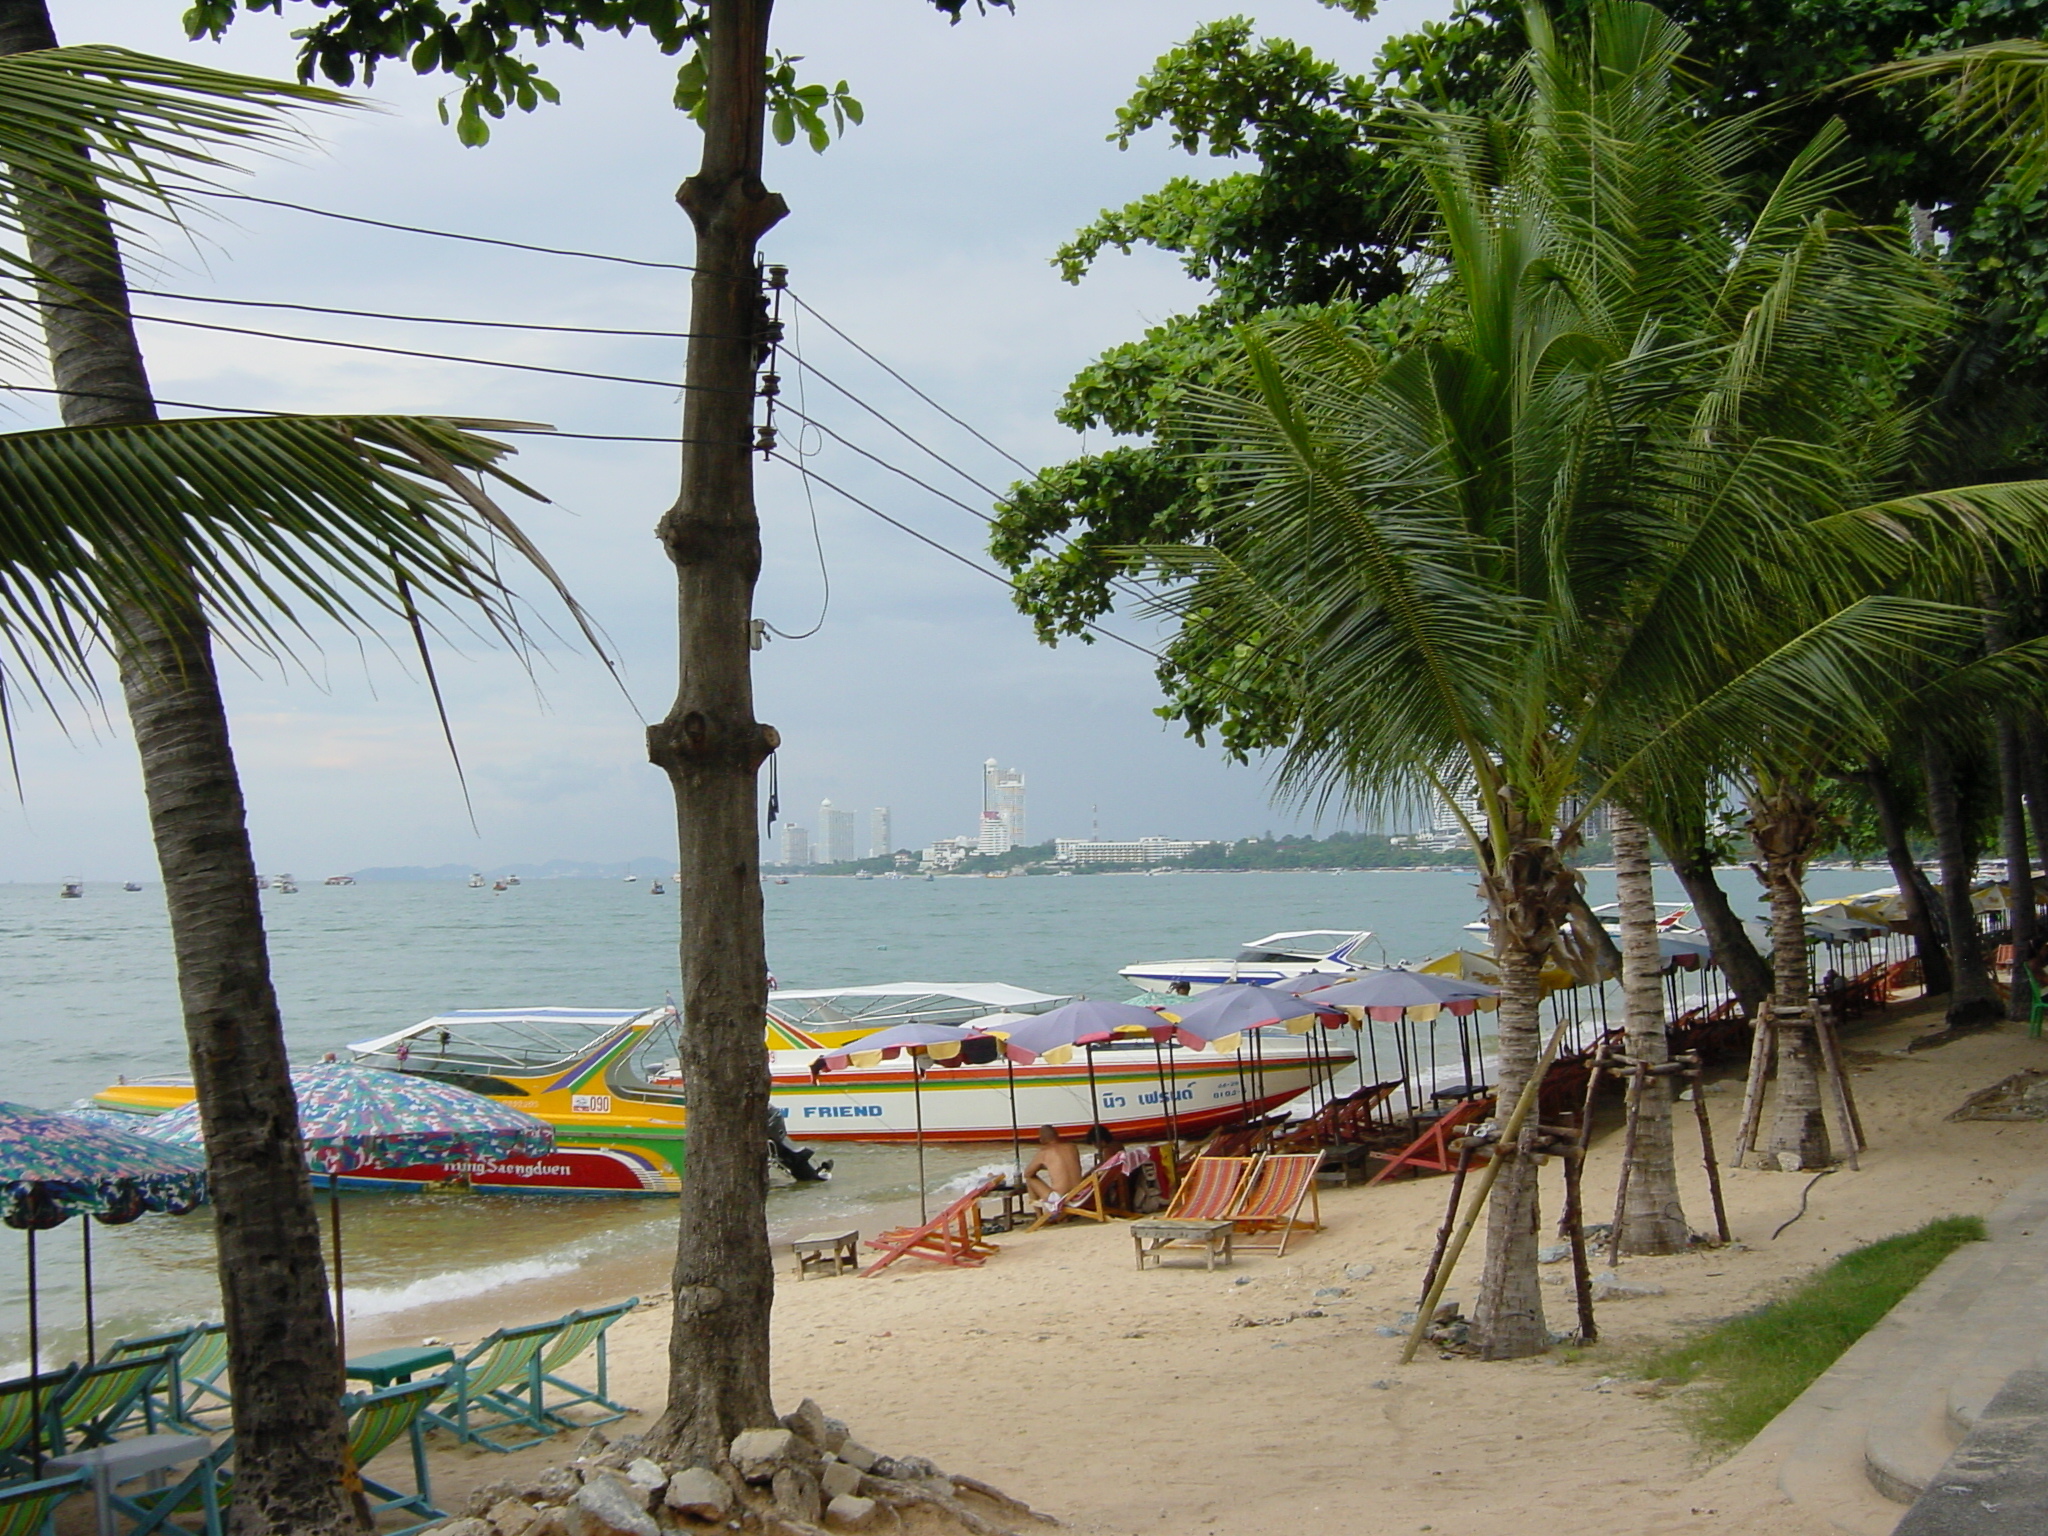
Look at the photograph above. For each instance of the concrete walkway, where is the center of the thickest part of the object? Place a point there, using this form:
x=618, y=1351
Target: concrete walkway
x=1869, y=1436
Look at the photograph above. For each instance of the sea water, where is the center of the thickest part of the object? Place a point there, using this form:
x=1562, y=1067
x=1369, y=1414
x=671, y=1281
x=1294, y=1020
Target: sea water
x=87, y=995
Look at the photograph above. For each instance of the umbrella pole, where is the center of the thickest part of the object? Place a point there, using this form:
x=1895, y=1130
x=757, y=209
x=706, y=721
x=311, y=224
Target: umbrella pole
x=1094, y=1098
x=1016, y=1136
x=85, y=1256
x=917, y=1101
x=340, y=1306
x=35, y=1362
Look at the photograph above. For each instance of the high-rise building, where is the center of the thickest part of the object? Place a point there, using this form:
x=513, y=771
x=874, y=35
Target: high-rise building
x=835, y=831
x=994, y=836
x=1002, y=795
x=796, y=845
x=879, y=844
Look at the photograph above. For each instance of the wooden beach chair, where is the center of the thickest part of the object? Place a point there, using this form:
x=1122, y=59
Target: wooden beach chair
x=1432, y=1149
x=102, y=1398
x=1269, y=1213
x=579, y=1332
x=25, y=1508
x=491, y=1393
x=1209, y=1190
x=951, y=1237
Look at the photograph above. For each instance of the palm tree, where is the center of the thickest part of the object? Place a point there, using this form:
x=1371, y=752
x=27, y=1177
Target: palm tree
x=1598, y=510
x=1653, y=1220
x=153, y=536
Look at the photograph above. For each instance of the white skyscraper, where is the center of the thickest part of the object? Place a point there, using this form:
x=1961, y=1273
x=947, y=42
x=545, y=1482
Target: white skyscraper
x=796, y=845
x=879, y=843
x=1002, y=796
x=835, y=832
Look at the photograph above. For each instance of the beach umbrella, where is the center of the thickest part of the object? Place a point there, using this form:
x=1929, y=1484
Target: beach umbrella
x=1224, y=1012
x=353, y=1118
x=1388, y=995
x=54, y=1166
x=935, y=1042
x=1089, y=1022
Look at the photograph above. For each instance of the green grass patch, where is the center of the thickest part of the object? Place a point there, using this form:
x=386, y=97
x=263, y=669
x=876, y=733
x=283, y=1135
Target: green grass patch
x=1757, y=1363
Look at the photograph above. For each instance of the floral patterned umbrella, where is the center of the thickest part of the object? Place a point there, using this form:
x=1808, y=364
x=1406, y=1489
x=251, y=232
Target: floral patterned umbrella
x=366, y=1117
x=54, y=1166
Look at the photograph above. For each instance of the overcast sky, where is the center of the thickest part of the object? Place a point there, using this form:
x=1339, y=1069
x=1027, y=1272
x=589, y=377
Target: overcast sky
x=925, y=235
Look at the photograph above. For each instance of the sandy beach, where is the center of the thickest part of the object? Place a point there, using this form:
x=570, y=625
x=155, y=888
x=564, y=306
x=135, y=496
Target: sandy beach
x=1186, y=1402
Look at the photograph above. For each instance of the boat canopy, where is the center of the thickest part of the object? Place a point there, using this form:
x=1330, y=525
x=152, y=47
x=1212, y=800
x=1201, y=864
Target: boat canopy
x=903, y=1002
x=499, y=1039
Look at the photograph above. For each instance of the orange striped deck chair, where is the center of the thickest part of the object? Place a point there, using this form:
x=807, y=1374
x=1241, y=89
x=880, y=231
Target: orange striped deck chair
x=1210, y=1189
x=951, y=1237
x=1269, y=1213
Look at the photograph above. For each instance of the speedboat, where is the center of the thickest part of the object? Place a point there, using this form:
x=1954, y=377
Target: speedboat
x=72, y=890
x=131, y=885
x=1258, y=962
x=339, y=880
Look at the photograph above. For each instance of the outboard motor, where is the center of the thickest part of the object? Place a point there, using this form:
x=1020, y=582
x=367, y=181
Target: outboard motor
x=799, y=1162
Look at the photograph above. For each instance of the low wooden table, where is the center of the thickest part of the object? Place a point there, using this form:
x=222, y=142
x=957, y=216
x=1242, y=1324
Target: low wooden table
x=1155, y=1234
x=1014, y=1202
x=830, y=1253
x=389, y=1366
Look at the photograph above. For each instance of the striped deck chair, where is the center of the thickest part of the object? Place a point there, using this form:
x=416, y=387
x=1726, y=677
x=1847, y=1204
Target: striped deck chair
x=1210, y=1188
x=103, y=1397
x=1085, y=1199
x=579, y=1331
x=201, y=1359
x=19, y=1401
x=25, y=1508
x=1269, y=1212
x=951, y=1237
x=494, y=1382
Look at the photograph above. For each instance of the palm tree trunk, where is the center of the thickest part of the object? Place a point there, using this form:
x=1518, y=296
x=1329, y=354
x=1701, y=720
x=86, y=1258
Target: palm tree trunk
x=289, y=1433
x=712, y=748
x=1528, y=895
x=2034, y=773
x=1785, y=824
x=1654, y=1220
x=1972, y=999
x=2018, y=865
x=1916, y=895
x=1748, y=973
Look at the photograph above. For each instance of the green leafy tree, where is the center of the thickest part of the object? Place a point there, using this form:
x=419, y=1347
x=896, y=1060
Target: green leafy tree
x=156, y=536
x=710, y=744
x=1598, y=511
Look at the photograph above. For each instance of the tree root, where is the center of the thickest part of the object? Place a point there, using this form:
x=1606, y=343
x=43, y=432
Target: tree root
x=897, y=1496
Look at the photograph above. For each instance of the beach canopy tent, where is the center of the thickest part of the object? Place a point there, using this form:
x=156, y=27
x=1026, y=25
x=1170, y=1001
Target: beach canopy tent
x=1396, y=993
x=54, y=1166
x=353, y=1118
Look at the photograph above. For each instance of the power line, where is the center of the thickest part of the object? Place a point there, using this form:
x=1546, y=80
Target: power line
x=444, y=234
x=909, y=438
x=374, y=314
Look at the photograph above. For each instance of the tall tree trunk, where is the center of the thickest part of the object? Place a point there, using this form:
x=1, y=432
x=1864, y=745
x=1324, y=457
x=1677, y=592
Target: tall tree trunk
x=2019, y=874
x=289, y=1433
x=712, y=748
x=2034, y=774
x=1916, y=894
x=1748, y=973
x=1785, y=824
x=1972, y=1000
x=1528, y=893
x=1654, y=1220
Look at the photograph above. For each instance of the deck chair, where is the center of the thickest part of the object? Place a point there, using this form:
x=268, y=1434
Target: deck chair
x=1269, y=1213
x=200, y=1357
x=579, y=1331
x=951, y=1237
x=494, y=1384
x=19, y=1400
x=1432, y=1149
x=25, y=1508
x=1089, y=1198
x=1210, y=1189
x=104, y=1397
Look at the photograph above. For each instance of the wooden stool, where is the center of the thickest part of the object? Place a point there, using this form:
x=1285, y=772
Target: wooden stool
x=1155, y=1234
x=830, y=1253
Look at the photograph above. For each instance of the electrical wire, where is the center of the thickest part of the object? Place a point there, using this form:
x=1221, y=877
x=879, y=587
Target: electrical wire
x=811, y=501
x=375, y=314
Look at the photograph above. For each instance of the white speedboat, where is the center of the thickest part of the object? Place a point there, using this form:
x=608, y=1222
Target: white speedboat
x=1276, y=957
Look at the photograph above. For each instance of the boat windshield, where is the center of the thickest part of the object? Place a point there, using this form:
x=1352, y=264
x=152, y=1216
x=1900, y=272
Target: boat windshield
x=517, y=1041
x=906, y=1002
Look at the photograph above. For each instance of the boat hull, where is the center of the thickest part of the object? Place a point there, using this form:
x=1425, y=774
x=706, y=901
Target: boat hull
x=571, y=1169
x=1134, y=1099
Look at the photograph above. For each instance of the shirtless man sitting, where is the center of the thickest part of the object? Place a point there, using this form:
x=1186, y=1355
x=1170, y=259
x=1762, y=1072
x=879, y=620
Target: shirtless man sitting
x=1055, y=1169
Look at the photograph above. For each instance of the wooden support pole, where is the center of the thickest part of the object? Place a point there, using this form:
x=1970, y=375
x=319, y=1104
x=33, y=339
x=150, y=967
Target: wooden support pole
x=1699, y=1110
x=1838, y=1087
x=1573, y=1222
x=1637, y=1079
x=1831, y=1051
x=1443, y=1235
x=1753, y=1091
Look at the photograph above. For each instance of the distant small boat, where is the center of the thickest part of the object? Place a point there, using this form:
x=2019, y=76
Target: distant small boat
x=655, y=889
x=511, y=879
x=73, y=889
x=263, y=882
x=341, y=880
x=782, y=879
x=476, y=882
x=286, y=886
x=501, y=886
x=130, y=885
x=632, y=879
x=861, y=874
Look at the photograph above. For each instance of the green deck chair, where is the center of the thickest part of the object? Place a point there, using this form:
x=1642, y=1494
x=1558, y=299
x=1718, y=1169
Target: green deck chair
x=2037, y=1005
x=165, y=1396
x=496, y=1380
x=376, y=1420
x=103, y=1397
x=26, y=1508
x=19, y=1399
x=579, y=1330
